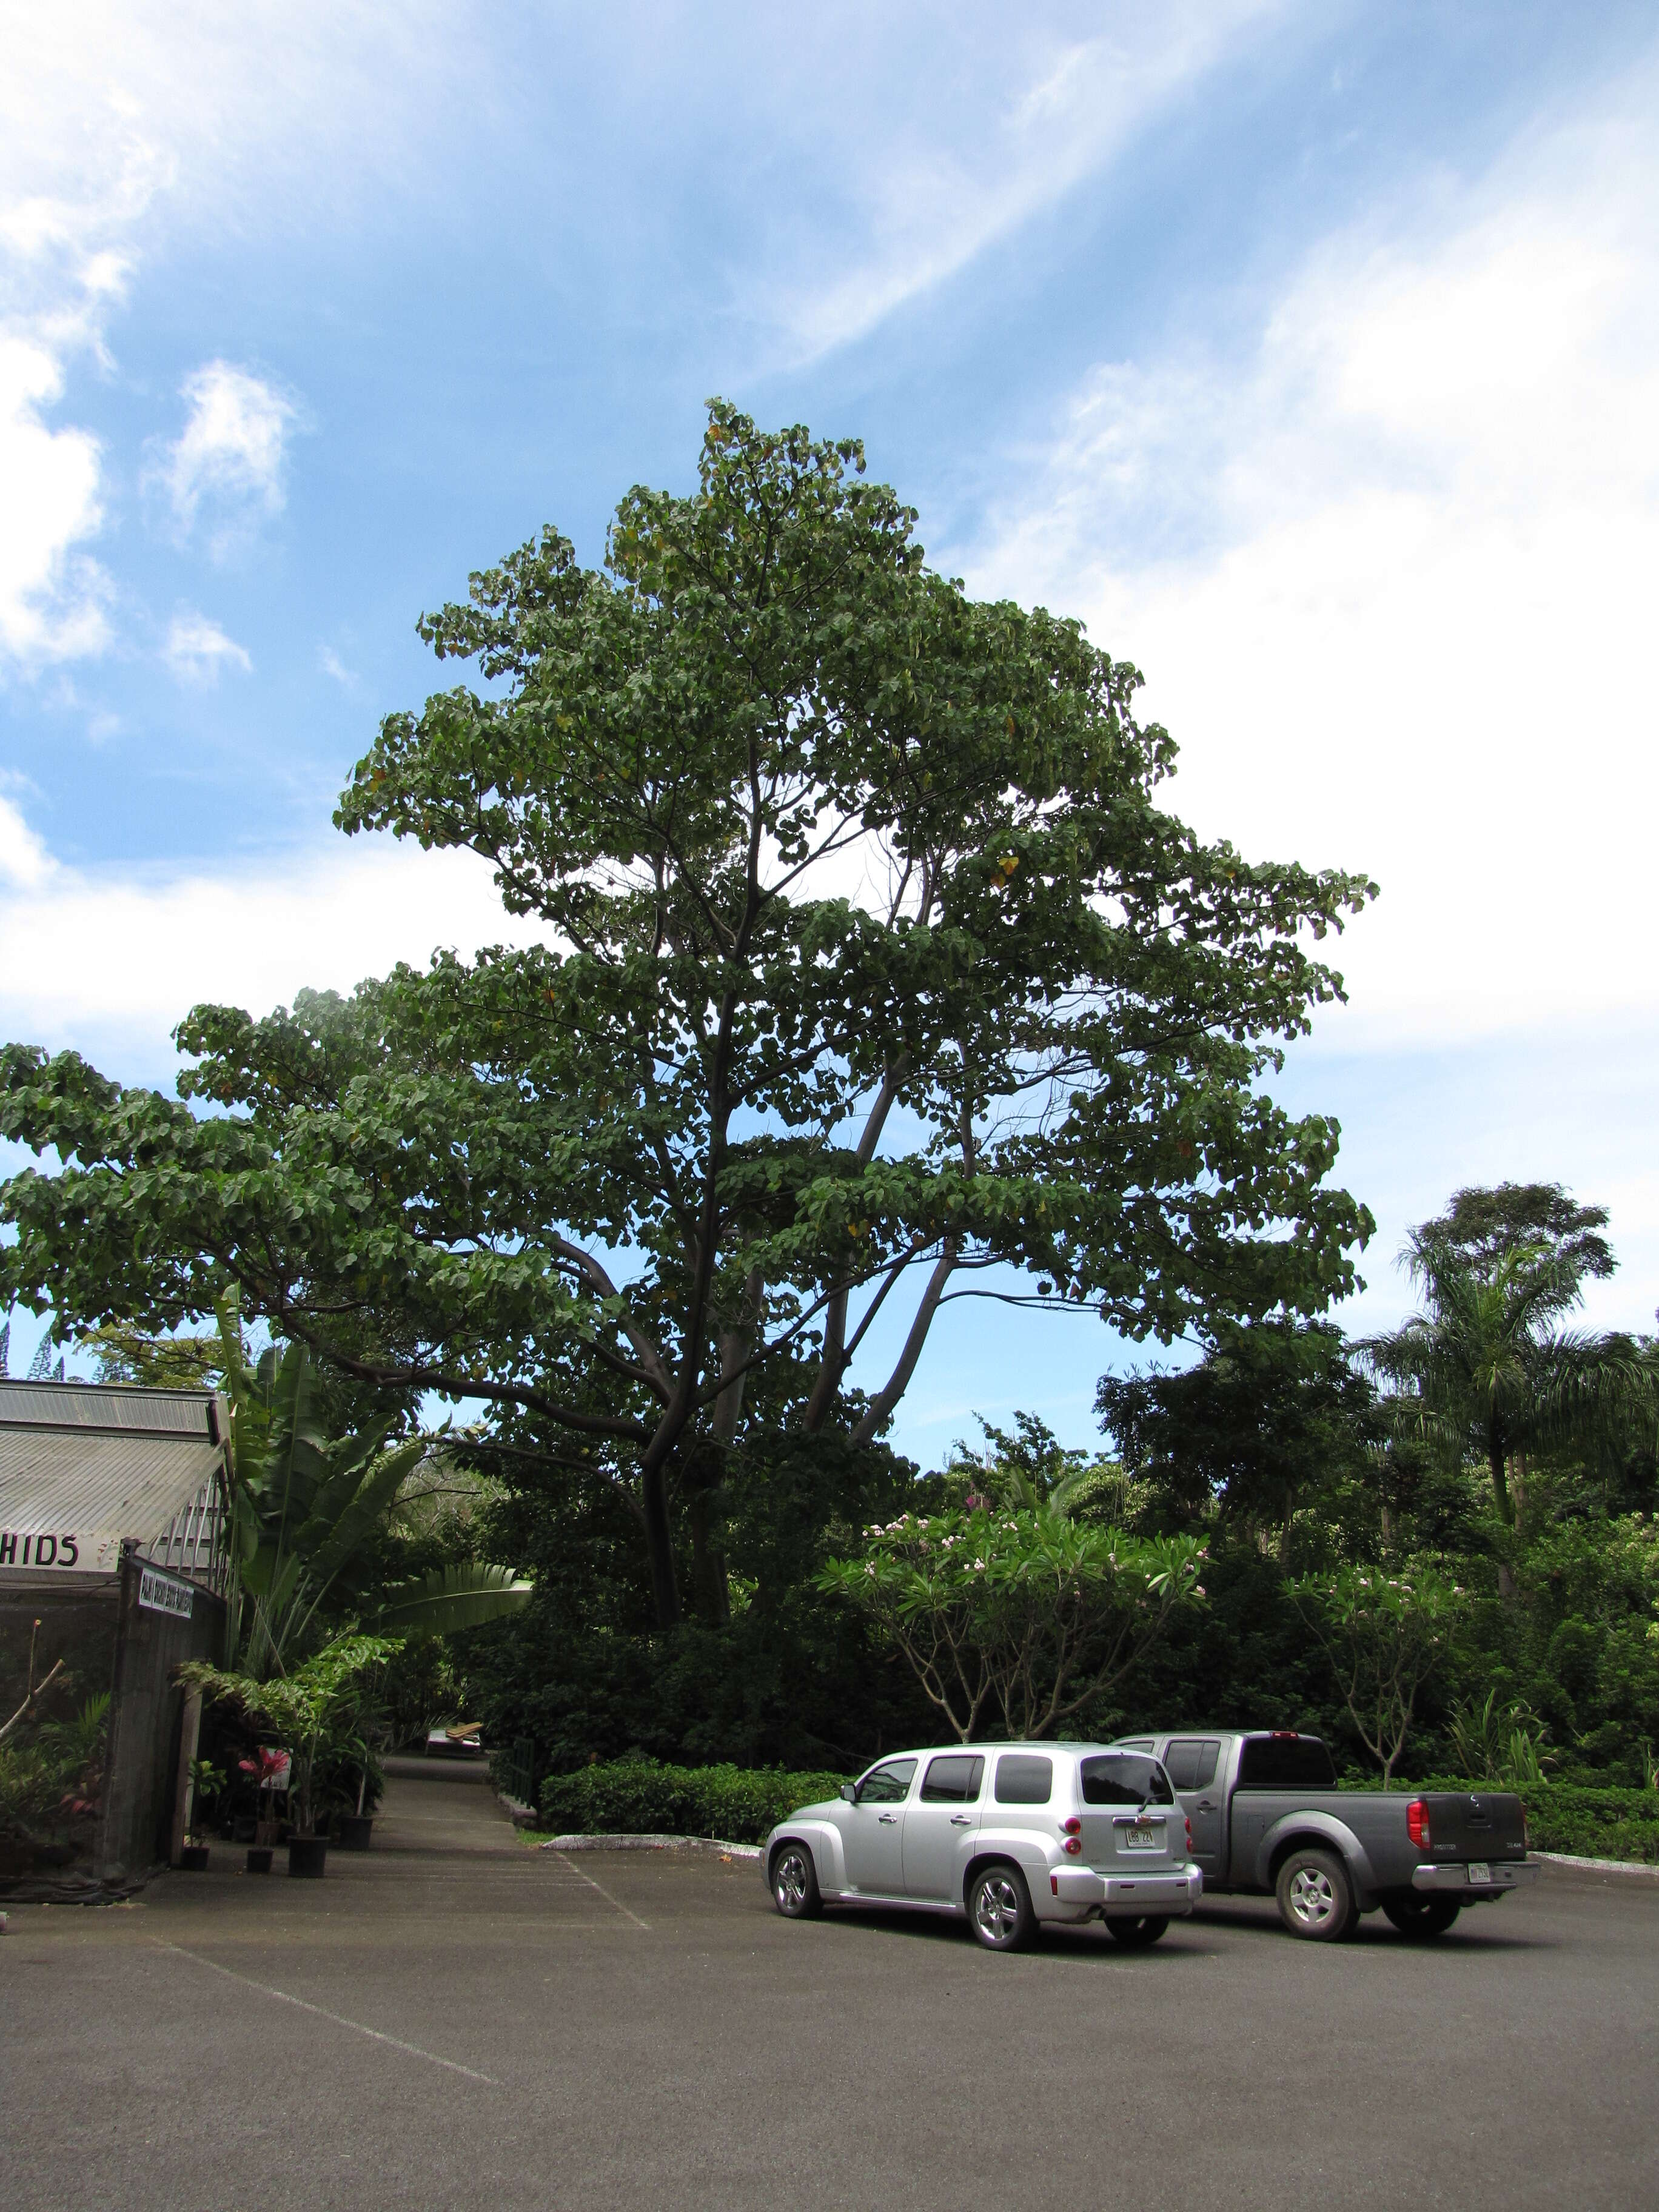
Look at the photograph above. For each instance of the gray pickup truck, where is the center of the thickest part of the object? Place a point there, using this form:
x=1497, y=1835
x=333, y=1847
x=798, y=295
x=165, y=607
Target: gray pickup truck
x=1267, y=1819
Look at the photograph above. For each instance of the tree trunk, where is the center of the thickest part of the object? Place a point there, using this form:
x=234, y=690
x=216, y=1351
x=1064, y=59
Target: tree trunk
x=659, y=1547
x=1500, y=1484
x=709, y=1596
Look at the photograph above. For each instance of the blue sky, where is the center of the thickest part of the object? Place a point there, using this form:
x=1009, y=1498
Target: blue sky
x=1307, y=351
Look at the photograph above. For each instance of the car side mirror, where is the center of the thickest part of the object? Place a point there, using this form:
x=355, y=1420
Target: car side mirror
x=849, y=1790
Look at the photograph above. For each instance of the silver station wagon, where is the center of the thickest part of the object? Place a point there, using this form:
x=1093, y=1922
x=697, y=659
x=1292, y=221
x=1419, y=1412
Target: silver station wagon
x=1008, y=1835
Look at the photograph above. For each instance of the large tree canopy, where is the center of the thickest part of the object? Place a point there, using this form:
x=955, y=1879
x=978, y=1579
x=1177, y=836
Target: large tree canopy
x=873, y=968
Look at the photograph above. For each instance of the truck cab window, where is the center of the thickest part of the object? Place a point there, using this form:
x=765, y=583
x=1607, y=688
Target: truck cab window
x=1285, y=1762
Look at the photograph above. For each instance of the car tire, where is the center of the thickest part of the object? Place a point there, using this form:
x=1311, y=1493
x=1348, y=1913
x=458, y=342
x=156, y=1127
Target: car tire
x=1315, y=1898
x=1422, y=1916
x=999, y=1908
x=795, y=1882
x=1136, y=1935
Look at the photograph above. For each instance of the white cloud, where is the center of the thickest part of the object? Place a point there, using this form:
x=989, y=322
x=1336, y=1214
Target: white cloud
x=196, y=649
x=52, y=601
x=25, y=863
x=108, y=960
x=231, y=451
x=331, y=665
x=1391, y=580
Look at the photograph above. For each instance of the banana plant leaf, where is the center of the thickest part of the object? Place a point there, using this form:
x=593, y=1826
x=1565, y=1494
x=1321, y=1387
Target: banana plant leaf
x=451, y=1598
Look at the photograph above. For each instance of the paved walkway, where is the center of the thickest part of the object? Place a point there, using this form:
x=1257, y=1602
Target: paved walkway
x=435, y=1807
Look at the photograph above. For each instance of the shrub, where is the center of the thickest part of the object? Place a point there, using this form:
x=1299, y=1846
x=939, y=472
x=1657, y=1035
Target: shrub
x=635, y=1796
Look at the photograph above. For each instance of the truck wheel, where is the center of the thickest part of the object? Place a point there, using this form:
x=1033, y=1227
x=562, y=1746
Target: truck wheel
x=795, y=1883
x=1422, y=1916
x=1000, y=1909
x=1315, y=1898
x=1137, y=1934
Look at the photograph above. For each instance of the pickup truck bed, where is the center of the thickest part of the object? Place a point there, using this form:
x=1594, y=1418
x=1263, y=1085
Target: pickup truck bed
x=1267, y=1819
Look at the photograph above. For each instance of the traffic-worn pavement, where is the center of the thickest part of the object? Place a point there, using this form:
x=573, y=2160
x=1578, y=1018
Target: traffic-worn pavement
x=456, y=2020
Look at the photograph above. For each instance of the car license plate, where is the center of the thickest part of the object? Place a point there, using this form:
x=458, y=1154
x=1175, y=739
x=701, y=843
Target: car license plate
x=1142, y=1836
x=1480, y=1872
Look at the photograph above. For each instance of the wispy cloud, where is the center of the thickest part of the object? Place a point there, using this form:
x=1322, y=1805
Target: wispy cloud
x=229, y=457
x=196, y=649
x=1390, y=576
x=331, y=665
x=988, y=120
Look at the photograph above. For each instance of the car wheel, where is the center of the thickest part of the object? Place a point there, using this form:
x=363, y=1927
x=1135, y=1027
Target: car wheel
x=1135, y=1935
x=795, y=1883
x=1315, y=1898
x=1000, y=1909
x=1422, y=1916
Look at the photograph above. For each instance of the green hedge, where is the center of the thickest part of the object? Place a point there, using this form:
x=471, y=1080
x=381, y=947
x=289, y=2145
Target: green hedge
x=637, y=1797
x=1583, y=1819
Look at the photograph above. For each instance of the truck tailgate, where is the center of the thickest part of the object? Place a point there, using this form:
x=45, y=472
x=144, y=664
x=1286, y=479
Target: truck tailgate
x=1482, y=1825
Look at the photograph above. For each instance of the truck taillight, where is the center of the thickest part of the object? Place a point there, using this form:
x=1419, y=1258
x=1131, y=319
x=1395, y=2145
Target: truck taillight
x=1072, y=1827
x=1189, y=1835
x=1417, y=1822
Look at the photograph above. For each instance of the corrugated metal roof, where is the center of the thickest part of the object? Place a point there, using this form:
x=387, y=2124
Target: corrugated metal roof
x=119, y=1406
x=89, y=1490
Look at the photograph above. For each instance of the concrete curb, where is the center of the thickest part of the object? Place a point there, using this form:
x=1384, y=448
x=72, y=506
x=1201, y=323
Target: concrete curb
x=1599, y=1866
x=650, y=1843
x=520, y=1814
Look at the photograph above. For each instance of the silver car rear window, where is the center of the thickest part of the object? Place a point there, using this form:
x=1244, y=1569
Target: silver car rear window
x=1124, y=1777
x=1023, y=1779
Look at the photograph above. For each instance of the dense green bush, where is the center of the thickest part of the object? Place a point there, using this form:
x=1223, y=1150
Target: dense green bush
x=1584, y=1822
x=635, y=1796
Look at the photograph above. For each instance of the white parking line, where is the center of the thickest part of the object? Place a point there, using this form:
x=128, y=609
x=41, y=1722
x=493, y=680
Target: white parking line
x=322, y=2012
x=566, y=1858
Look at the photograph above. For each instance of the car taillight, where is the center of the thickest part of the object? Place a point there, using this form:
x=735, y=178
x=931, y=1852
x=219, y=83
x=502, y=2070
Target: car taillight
x=1072, y=1827
x=1071, y=1846
x=1189, y=1835
x=1417, y=1822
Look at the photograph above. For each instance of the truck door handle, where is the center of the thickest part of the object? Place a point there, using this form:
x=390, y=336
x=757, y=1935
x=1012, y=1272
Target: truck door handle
x=1204, y=1806
x=887, y=1818
x=960, y=1820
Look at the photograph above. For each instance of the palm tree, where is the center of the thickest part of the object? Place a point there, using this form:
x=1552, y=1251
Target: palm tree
x=1485, y=1368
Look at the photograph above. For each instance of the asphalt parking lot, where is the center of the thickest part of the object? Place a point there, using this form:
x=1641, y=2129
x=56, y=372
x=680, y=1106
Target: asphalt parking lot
x=455, y=2020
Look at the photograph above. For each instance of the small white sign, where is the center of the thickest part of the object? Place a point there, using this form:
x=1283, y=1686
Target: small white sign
x=160, y=1594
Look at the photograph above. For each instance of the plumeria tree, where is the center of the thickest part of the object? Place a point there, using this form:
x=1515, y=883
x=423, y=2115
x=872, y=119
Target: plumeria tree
x=1384, y=1634
x=1015, y=1618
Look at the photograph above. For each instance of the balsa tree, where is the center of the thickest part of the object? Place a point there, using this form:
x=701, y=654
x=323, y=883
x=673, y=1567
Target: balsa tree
x=872, y=975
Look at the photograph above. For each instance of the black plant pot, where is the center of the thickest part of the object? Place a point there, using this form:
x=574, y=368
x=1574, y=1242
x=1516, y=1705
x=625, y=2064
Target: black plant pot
x=307, y=1857
x=355, y=1831
x=258, y=1858
x=244, y=1828
x=193, y=1858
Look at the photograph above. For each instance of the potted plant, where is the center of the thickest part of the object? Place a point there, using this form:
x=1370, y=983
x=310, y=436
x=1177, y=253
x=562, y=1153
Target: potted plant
x=315, y=1709
x=206, y=1781
x=268, y=1770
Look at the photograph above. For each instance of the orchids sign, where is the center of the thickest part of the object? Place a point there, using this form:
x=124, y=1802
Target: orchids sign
x=1015, y=1620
